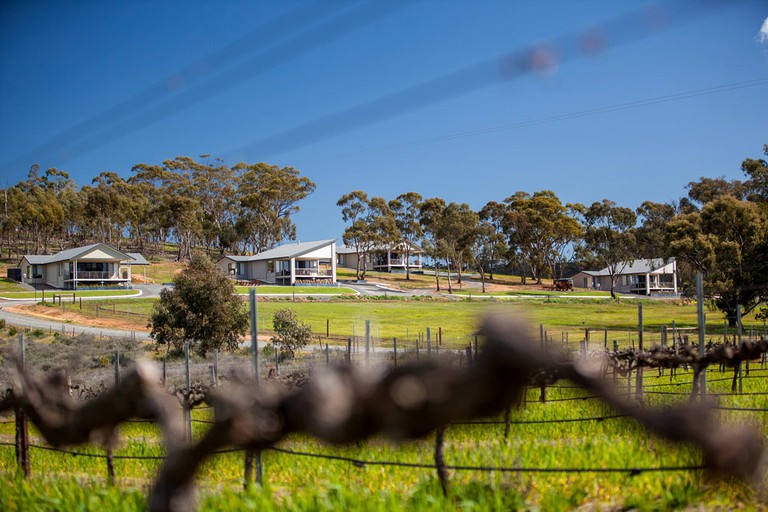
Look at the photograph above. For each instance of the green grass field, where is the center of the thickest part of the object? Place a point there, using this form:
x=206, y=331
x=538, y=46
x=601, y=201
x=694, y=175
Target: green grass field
x=405, y=319
x=66, y=294
x=9, y=285
x=301, y=290
x=63, y=482
x=475, y=292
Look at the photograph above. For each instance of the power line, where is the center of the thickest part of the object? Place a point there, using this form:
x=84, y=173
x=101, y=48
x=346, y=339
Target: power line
x=562, y=117
x=271, y=44
x=539, y=58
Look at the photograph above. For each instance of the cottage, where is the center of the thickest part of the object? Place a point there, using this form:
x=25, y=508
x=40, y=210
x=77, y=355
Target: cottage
x=289, y=264
x=383, y=258
x=655, y=276
x=96, y=265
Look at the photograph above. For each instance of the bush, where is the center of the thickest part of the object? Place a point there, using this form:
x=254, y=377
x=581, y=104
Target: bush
x=290, y=334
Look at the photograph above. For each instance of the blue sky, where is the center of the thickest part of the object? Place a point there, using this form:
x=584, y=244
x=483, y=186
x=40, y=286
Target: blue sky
x=674, y=91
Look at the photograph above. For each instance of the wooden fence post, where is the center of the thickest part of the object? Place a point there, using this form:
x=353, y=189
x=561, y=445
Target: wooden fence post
x=187, y=409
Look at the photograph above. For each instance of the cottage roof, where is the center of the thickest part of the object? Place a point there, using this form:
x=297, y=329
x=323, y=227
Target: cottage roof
x=285, y=251
x=74, y=253
x=138, y=259
x=348, y=249
x=645, y=266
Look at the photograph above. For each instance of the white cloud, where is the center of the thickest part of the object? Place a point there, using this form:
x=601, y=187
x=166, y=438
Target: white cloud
x=762, y=36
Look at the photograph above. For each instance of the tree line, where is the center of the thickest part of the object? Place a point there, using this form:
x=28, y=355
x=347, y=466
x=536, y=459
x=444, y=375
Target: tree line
x=197, y=204
x=720, y=228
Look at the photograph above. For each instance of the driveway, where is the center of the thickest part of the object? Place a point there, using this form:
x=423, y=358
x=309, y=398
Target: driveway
x=33, y=322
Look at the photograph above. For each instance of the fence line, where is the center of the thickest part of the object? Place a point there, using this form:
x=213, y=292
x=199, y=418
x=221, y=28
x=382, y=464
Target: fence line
x=362, y=463
x=495, y=381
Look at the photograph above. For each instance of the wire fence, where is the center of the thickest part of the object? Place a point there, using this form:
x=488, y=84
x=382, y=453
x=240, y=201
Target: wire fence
x=541, y=375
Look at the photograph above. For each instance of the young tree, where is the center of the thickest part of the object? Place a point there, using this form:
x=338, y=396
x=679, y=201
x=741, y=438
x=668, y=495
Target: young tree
x=201, y=309
x=609, y=239
x=406, y=211
x=372, y=224
x=291, y=335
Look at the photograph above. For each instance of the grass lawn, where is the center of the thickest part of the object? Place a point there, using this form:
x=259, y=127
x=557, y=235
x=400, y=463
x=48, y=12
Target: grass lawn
x=9, y=285
x=67, y=294
x=579, y=293
x=289, y=290
x=161, y=271
x=405, y=319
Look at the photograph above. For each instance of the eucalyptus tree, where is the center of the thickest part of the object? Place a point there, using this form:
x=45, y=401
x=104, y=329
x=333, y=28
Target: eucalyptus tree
x=405, y=208
x=541, y=230
x=430, y=211
x=727, y=241
x=41, y=214
x=178, y=206
x=450, y=230
x=652, y=233
x=493, y=223
x=488, y=243
x=757, y=185
x=267, y=196
x=105, y=208
x=609, y=238
x=371, y=225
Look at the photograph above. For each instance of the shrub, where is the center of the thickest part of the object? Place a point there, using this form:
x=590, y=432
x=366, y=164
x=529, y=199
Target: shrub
x=290, y=334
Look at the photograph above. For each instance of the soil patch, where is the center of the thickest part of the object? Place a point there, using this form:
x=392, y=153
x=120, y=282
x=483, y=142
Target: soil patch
x=66, y=316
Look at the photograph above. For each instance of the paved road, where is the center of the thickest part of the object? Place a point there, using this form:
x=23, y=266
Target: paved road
x=32, y=322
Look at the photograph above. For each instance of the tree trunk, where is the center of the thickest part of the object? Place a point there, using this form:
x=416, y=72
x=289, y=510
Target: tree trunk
x=448, y=269
x=482, y=278
x=407, y=265
x=358, y=272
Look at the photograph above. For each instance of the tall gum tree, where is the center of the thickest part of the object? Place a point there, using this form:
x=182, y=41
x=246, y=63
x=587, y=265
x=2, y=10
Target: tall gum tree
x=405, y=208
x=609, y=238
x=726, y=241
x=371, y=224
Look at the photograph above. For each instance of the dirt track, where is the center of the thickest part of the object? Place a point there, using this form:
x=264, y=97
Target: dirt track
x=64, y=316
